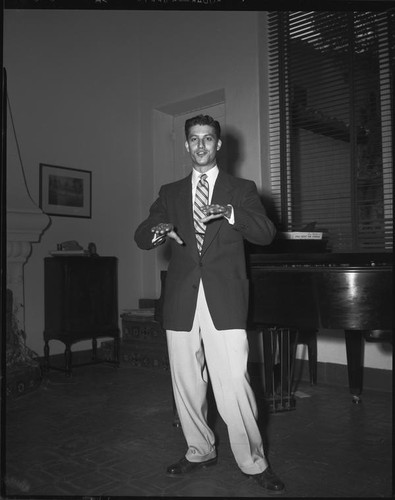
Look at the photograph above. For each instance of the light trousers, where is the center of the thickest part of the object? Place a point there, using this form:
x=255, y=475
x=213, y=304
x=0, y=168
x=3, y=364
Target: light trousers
x=223, y=354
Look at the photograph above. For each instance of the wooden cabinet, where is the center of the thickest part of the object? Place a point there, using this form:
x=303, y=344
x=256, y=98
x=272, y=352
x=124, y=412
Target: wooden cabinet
x=81, y=303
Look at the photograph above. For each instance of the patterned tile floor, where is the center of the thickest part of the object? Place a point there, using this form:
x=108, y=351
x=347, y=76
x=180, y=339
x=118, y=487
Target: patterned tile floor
x=107, y=433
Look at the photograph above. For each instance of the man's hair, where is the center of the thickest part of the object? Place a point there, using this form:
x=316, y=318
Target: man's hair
x=203, y=120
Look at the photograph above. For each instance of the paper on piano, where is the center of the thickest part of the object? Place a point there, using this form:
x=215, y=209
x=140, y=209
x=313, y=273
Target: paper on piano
x=301, y=235
x=146, y=312
x=67, y=253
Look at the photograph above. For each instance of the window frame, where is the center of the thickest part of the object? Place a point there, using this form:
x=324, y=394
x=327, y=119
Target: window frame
x=281, y=127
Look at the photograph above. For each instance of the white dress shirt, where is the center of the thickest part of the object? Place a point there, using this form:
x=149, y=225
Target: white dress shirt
x=212, y=175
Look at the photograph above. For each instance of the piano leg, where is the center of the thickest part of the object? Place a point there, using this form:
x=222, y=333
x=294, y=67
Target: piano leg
x=354, y=349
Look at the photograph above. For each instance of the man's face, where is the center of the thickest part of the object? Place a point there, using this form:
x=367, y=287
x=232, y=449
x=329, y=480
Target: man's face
x=202, y=146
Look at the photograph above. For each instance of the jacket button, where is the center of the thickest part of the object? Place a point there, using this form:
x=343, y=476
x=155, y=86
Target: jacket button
x=194, y=286
x=200, y=264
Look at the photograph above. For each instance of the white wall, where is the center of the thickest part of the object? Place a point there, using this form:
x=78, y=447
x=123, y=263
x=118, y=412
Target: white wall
x=74, y=92
x=83, y=87
x=189, y=54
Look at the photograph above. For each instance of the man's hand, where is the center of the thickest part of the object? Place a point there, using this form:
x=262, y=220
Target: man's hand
x=215, y=212
x=162, y=230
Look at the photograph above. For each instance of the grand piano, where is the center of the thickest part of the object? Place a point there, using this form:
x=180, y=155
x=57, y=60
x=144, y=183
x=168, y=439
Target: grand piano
x=342, y=291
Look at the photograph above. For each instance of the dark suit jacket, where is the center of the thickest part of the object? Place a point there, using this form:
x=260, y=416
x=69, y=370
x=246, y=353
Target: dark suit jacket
x=221, y=266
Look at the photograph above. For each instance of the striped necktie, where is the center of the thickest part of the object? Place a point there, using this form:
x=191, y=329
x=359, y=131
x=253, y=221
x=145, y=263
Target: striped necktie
x=201, y=199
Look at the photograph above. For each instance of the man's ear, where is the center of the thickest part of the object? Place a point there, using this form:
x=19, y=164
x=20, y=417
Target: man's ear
x=219, y=144
x=187, y=146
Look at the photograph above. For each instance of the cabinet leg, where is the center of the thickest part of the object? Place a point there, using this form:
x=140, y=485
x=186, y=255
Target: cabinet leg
x=94, y=349
x=46, y=356
x=67, y=356
x=117, y=344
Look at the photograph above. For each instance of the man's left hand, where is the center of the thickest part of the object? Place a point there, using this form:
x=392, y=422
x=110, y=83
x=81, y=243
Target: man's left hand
x=215, y=212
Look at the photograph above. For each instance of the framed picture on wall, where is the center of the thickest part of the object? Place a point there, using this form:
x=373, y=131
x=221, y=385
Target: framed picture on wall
x=65, y=191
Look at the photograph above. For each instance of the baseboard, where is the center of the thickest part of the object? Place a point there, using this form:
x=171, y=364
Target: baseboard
x=334, y=374
x=82, y=357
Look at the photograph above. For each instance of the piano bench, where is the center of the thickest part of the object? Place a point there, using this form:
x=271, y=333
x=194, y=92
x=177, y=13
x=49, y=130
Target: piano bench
x=309, y=338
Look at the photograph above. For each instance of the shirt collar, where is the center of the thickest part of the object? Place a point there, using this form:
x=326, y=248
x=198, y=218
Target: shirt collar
x=212, y=175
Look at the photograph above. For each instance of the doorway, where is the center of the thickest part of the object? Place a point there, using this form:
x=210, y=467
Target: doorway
x=171, y=161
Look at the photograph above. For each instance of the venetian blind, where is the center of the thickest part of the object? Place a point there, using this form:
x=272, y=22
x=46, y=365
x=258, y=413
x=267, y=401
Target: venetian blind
x=331, y=112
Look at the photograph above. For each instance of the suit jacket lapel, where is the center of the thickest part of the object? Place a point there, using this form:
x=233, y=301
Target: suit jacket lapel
x=186, y=228
x=222, y=195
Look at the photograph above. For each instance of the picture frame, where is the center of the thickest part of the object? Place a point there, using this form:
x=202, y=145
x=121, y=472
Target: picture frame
x=65, y=192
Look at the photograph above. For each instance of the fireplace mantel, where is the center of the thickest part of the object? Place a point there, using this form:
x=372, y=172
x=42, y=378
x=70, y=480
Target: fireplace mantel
x=24, y=227
x=25, y=224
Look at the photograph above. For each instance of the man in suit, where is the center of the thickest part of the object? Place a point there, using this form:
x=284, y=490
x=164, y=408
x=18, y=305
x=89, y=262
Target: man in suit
x=206, y=301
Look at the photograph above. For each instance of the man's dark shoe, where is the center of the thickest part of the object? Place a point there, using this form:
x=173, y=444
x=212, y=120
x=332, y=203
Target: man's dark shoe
x=268, y=480
x=184, y=466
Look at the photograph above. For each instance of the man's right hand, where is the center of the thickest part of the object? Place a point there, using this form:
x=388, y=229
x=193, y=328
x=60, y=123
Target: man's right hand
x=162, y=230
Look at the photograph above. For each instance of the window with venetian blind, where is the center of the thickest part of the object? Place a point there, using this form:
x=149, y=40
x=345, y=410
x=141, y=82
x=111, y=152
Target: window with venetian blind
x=331, y=114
